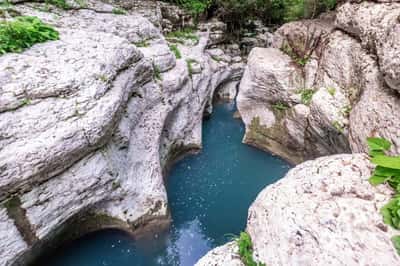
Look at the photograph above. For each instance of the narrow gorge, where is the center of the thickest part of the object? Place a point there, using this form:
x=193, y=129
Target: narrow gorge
x=121, y=135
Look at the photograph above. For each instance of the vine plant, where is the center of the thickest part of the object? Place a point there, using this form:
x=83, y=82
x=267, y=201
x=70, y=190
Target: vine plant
x=387, y=171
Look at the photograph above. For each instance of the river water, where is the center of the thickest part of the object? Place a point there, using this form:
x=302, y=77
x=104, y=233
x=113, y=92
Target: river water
x=209, y=196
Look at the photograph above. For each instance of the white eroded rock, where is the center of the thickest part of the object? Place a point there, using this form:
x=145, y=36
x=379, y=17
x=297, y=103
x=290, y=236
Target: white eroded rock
x=226, y=255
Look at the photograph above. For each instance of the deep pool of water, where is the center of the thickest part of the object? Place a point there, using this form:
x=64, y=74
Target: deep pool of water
x=209, y=196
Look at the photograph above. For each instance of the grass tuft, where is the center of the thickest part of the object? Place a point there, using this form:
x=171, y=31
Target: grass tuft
x=174, y=48
x=119, y=11
x=306, y=95
x=185, y=33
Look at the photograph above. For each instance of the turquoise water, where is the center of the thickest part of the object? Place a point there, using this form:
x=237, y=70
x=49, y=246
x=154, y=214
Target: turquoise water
x=209, y=196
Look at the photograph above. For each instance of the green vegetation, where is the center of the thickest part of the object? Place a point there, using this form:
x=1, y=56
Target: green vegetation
x=396, y=243
x=246, y=250
x=59, y=3
x=306, y=95
x=157, y=72
x=331, y=90
x=346, y=110
x=174, y=48
x=280, y=106
x=338, y=126
x=300, y=60
x=387, y=171
x=196, y=7
x=237, y=13
x=24, y=32
x=189, y=63
x=119, y=11
x=185, y=33
x=142, y=43
x=25, y=102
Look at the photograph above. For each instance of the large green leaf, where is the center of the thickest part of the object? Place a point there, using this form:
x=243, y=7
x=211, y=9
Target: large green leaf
x=378, y=144
x=384, y=171
x=396, y=243
x=387, y=161
x=377, y=180
x=391, y=213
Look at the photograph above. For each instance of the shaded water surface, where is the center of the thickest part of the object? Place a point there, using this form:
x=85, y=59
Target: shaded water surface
x=209, y=195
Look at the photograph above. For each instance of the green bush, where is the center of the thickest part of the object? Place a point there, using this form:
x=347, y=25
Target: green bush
x=24, y=32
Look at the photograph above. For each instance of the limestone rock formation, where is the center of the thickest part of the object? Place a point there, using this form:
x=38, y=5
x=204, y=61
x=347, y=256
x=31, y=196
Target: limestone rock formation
x=226, y=255
x=89, y=122
x=321, y=90
x=323, y=212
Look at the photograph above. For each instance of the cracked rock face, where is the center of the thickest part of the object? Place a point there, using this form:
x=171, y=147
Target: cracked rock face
x=87, y=126
x=323, y=212
x=319, y=90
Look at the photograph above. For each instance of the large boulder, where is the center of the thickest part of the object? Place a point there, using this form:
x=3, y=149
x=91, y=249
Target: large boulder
x=323, y=212
x=90, y=122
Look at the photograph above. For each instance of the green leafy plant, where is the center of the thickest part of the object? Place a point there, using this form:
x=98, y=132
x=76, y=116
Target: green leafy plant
x=24, y=32
x=387, y=170
x=174, y=48
x=246, y=250
x=280, y=106
x=396, y=243
x=306, y=95
x=119, y=11
x=391, y=213
x=142, y=43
